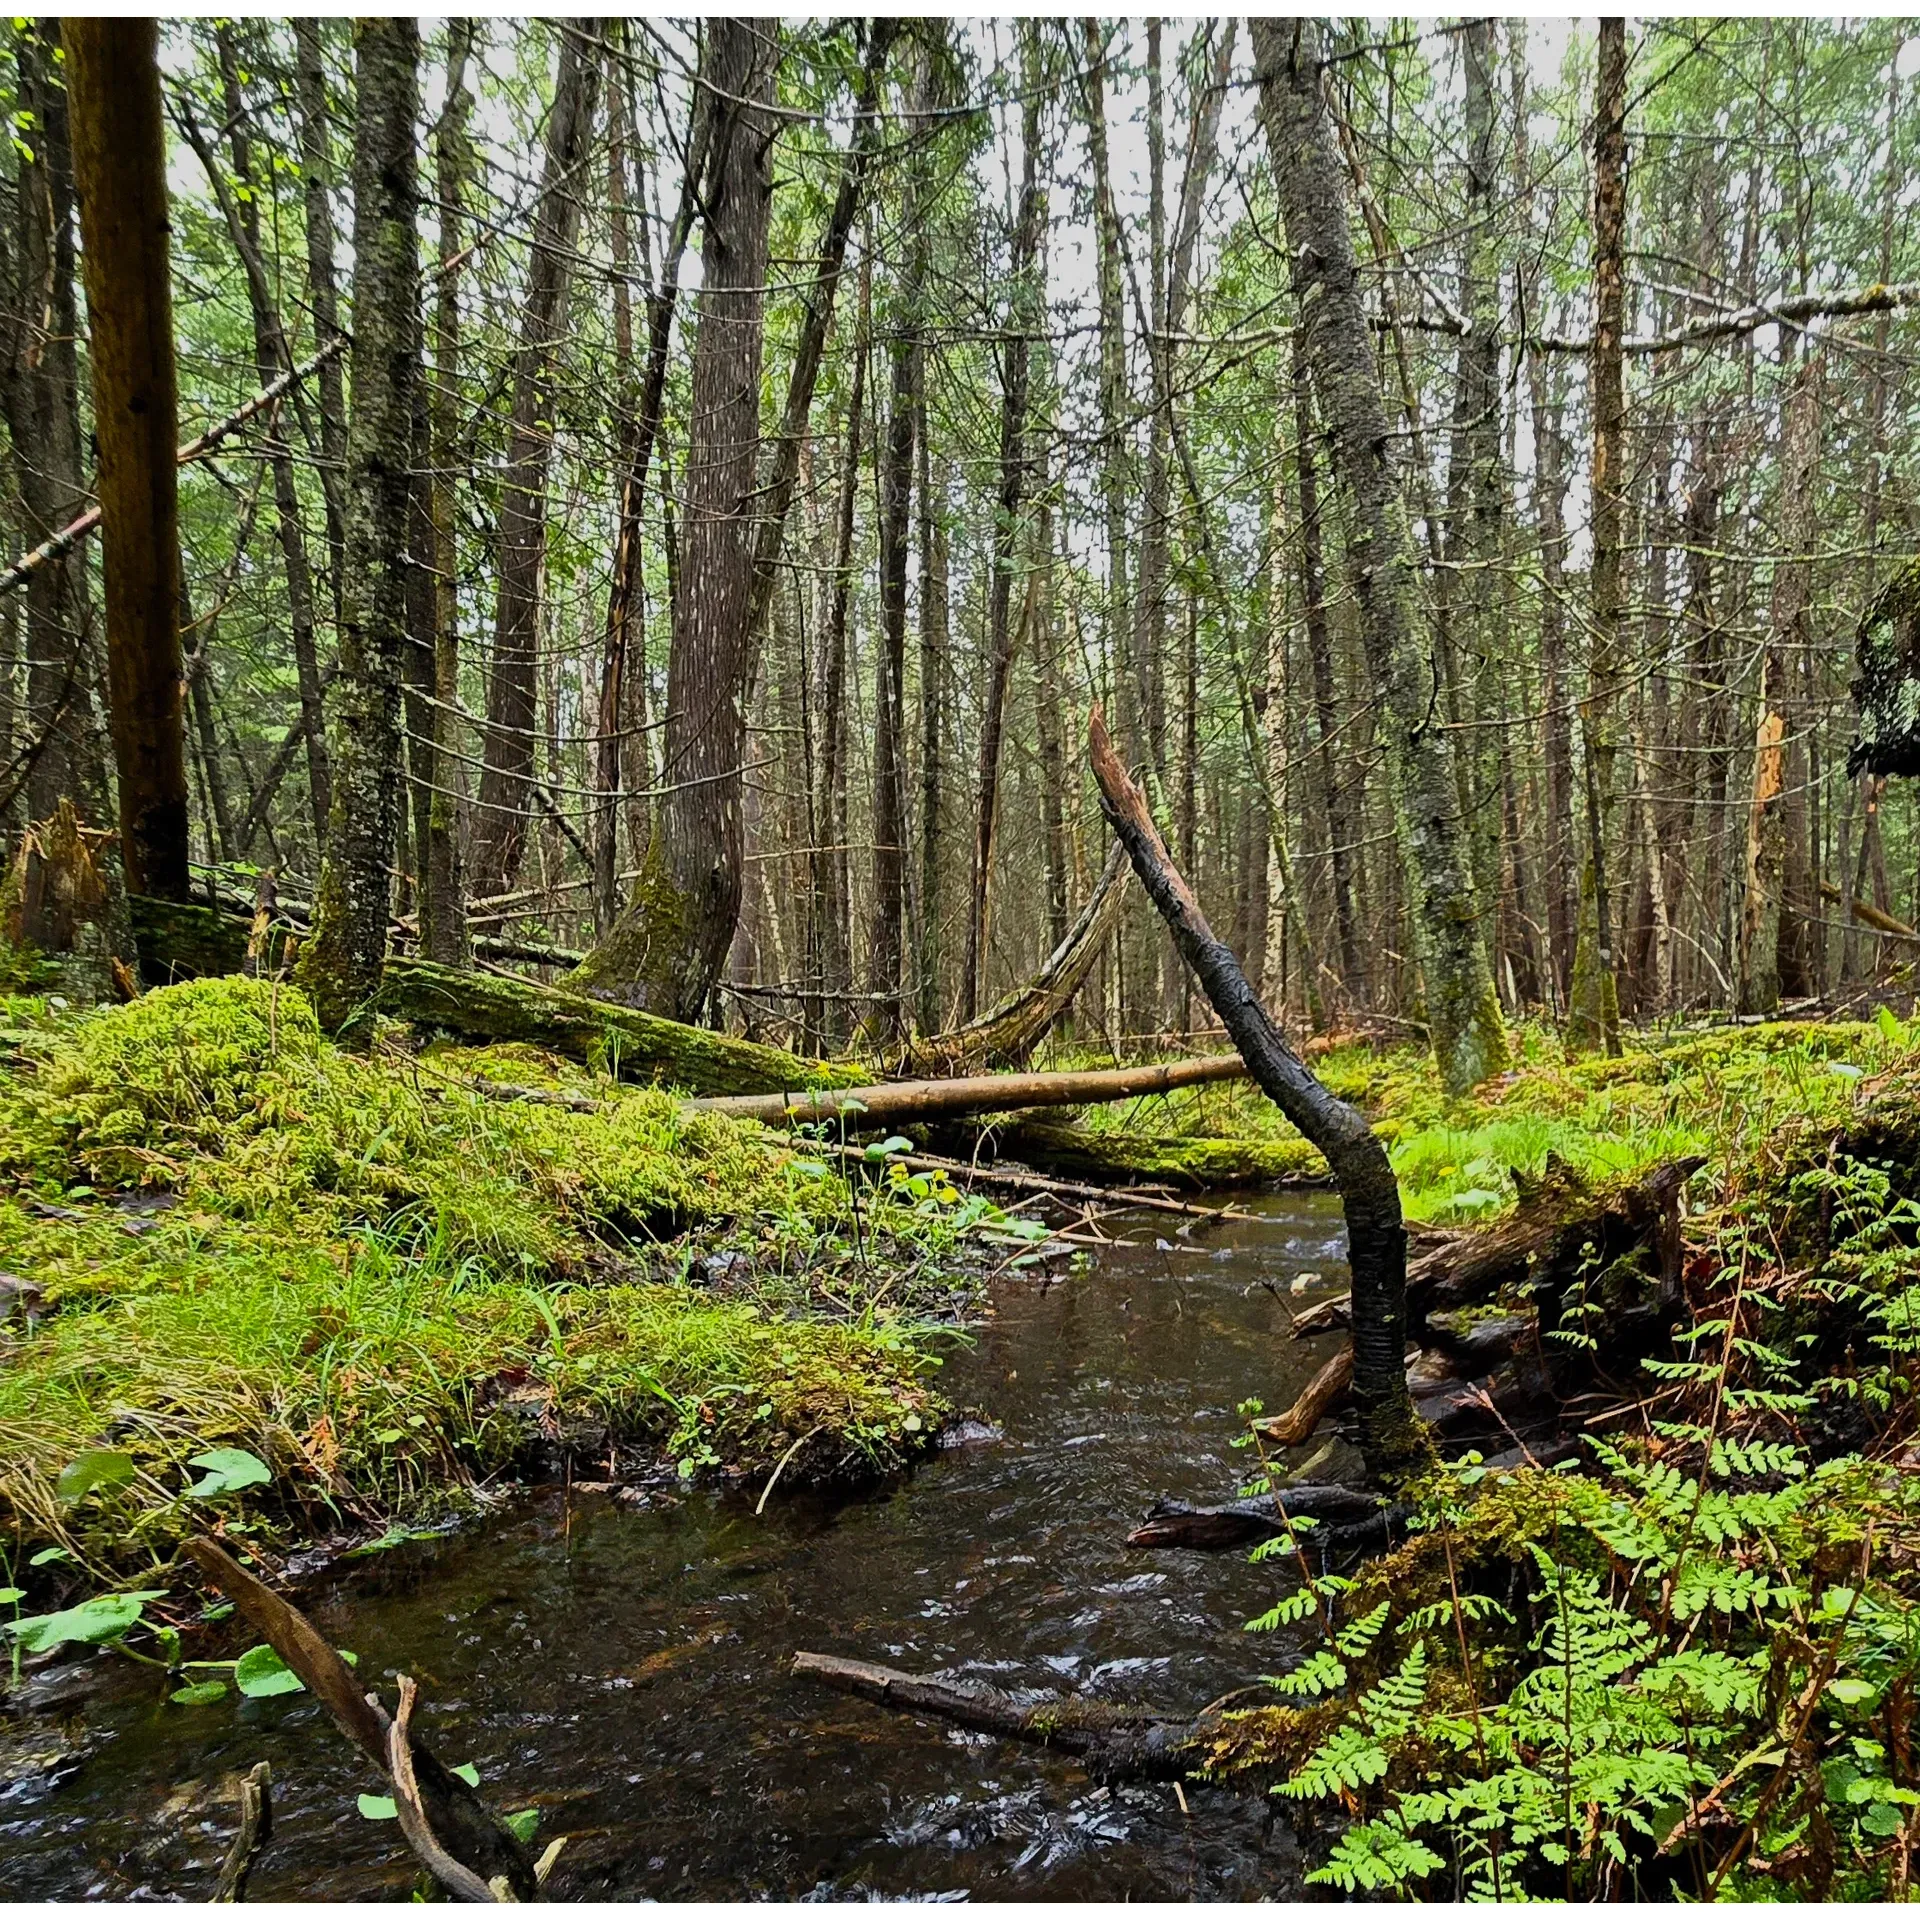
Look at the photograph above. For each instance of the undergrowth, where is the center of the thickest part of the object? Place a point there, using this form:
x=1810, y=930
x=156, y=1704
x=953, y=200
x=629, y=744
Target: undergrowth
x=1668, y=1096
x=1685, y=1665
x=218, y=1228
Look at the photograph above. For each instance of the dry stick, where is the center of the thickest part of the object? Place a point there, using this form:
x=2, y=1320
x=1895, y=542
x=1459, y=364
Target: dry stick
x=1017, y=1180
x=413, y=1816
x=256, y=1829
x=1369, y=1194
x=978, y=1093
x=467, y=1827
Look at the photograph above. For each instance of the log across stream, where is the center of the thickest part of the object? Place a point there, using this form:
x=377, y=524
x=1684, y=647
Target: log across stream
x=624, y=1660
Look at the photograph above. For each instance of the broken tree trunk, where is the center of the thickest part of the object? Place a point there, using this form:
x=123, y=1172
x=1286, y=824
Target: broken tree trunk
x=1369, y=1194
x=456, y=1818
x=1116, y=1743
x=892, y=1102
x=1194, y=1163
x=1006, y=1035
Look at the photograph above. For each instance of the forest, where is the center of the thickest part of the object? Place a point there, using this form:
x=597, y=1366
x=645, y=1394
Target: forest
x=857, y=874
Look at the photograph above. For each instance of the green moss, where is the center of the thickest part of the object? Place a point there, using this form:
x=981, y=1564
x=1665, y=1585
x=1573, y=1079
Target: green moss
x=375, y=1275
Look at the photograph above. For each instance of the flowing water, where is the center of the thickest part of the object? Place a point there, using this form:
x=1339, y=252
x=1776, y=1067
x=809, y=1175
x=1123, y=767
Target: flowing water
x=626, y=1667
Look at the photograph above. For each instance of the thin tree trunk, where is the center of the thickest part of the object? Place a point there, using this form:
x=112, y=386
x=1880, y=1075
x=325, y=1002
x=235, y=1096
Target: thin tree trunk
x=1026, y=303
x=1594, y=1005
x=316, y=177
x=341, y=963
x=1463, y=1012
x=500, y=830
x=119, y=163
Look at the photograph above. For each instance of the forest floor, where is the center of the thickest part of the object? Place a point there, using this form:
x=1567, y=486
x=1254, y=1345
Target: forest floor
x=255, y=1281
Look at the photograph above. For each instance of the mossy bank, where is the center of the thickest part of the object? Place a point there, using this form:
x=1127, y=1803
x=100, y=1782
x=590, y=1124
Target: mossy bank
x=394, y=1277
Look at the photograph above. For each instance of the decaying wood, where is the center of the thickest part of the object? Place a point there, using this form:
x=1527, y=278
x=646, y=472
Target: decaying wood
x=1006, y=1034
x=1018, y=1180
x=1369, y=1193
x=1869, y=915
x=892, y=1102
x=1115, y=1743
x=1560, y=1220
x=460, y=1881
x=1292, y=1428
x=256, y=1829
x=1192, y=1162
x=464, y=1826
x=1239, y=1523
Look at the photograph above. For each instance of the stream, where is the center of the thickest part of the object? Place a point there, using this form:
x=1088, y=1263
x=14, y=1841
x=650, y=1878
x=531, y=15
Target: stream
x=625, y=1666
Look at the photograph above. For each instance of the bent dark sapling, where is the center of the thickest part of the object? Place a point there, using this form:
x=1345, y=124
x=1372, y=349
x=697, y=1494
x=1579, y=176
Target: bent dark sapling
x=1390, y=1435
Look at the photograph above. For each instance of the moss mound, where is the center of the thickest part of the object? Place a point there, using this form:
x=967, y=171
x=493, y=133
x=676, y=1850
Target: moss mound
x=387, y=1280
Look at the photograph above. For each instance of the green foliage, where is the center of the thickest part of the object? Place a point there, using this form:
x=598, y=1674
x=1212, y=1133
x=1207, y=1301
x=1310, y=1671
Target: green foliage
x=363, y=1275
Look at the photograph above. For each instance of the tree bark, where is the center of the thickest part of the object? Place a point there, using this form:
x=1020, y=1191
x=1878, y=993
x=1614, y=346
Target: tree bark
x=341, y=964
x=316, y=180
x=1594, y=1010
x=500, y=829
x=666, y=951
x=1026, y=304
x=119, y=156
x=1369, y=1194
x=1463, y=1013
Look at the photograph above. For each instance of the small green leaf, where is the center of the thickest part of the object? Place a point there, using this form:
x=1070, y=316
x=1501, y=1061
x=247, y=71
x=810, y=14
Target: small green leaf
x=107, y=1616
x=378, y=1806
x=468, y=1772
x=523, y=1825
x=8, y=1595
x=228, y=1470
x=218, y=1611
x=1850, y=1692
x=47, y=1555
x=388, y=1435
x=100, y=1468
x=203, y=1693
x=261, y=1674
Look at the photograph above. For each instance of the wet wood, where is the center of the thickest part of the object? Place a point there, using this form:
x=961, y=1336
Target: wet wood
x=1239, y=1523
x=256, y=1829
x=1294, y=1427
x=1116, y=1743
x=465, y=1826
x=1369, y=1193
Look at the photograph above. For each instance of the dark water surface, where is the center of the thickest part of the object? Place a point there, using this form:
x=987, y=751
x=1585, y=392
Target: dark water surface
x=628, y=1669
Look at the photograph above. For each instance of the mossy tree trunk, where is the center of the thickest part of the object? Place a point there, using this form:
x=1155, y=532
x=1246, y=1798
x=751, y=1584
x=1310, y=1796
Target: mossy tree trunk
x=120, y=170
x=666, y=950
x=341, y=964
x=1463, y=1013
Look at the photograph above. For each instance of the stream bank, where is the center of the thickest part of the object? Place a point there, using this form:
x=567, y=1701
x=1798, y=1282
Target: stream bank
x=622, y=1661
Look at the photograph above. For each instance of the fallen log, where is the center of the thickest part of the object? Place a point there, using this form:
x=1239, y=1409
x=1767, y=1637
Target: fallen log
x=1195, y=1162
x=1869, y=915
x=628, y=1044
x=1239, y=1523
x=1294, y=1427
x=1115, y=1743
x=462, y=1825
x=1561, y=1224
x=894, y=1102
x=1006, y=1035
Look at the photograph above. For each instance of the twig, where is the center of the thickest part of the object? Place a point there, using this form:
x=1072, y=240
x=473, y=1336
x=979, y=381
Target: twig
x=256, y=1829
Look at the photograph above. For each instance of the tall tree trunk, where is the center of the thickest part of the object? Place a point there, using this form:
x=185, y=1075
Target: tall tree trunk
x=42, y=397
x=341, y=963
x=665, y=953
x=120, y=172
x=1762, y=930
x=832, y=893
x=500, y=830
x=1594, y=1010
x=316, y=179
x=1463, y=1012
x=1026, y=312
x=443, y=930
x=935, y=672
x=886, y=979
x=1336, y=789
